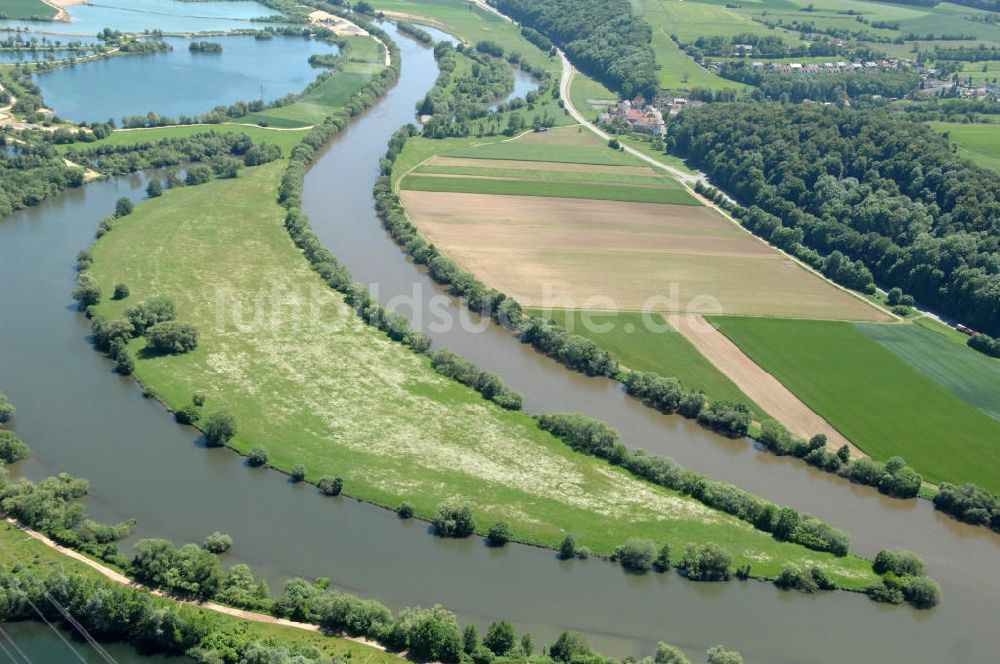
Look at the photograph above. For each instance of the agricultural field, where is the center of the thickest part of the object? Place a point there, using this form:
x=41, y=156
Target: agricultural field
x=471, y=24
x=590, y=97
x=283, y=352
x=286, y=140
x=585, y=221
x=971, y=376
x=21, y=9
x=983, y=72
x=365, y=58
x=896, y=389
x=978, y=142
x=655, y=347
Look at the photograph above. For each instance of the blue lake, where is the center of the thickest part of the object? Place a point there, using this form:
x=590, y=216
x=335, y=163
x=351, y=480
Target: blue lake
x=140, y=15
x=180, y=82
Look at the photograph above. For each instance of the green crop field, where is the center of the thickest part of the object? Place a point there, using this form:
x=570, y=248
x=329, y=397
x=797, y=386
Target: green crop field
x=26, y=9
x=290, y=359
x=970, y=375
x=510, y=187
x=663, y=351
x=365, y=58
x=286, y=140
x=608, y=175
x=471, y=24
x=583, y=90
x=564, y=154
x=987, y=71
x=882, y=402
x=977, y=142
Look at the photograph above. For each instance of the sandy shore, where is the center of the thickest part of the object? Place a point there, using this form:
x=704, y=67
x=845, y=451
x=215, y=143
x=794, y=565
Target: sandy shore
x=61, y=5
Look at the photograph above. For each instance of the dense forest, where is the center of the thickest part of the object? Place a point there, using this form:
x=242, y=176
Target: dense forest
x=602, y=37
x=871, y=185
x=832, y=87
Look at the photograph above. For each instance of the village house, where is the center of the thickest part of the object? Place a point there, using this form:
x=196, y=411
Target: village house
x=635, y=115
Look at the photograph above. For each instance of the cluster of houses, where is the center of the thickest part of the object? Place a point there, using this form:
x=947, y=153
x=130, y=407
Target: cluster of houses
x=825, y=67
x=640, y=116
x=635, y=115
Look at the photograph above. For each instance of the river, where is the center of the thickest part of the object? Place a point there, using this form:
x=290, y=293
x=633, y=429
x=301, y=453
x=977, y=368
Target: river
x=80, y=417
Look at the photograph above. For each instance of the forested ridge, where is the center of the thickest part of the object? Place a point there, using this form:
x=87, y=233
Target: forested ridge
x=602, y=37
x=879, y=188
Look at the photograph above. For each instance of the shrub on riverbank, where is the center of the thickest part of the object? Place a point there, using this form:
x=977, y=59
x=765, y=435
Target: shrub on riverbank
x=454, y=521
x=219, y=428
x=635, y=555
x=217, y=543
x=7, y=409
x=903, y=578
x=189, y=571
x=12, y=448
x=893, y=478
x=706, y=562
x=172, y=338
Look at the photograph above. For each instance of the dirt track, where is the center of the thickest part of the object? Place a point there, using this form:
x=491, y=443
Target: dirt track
x=763, y=388
x=121, y=579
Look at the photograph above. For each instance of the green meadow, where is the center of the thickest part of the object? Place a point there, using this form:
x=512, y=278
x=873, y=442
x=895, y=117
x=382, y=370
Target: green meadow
x=663, y=350
x=876, y=387
x=26, y=9
x=978, y=142
x=583, y=90
x=364, y=59
x=290, y=359
x=552, y=189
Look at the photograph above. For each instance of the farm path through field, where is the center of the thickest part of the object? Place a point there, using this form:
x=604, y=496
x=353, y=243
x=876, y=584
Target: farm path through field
x=764, y=389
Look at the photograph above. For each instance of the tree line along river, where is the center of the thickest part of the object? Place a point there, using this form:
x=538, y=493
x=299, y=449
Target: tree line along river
x=80, y=417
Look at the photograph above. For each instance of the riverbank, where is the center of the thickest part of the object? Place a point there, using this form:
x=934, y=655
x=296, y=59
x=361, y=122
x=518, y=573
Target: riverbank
x=18, y=545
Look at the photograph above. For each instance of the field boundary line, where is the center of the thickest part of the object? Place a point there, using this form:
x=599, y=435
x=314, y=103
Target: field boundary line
x=760, y=386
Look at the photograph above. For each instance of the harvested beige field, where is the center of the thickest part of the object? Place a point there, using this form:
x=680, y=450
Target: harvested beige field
x=463, y=162
x=764, y=389
x=592, y=254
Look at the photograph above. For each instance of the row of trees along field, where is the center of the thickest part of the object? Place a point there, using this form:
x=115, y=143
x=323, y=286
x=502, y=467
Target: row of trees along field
x=602, y=37
x=796, y=87
x=880, y=189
